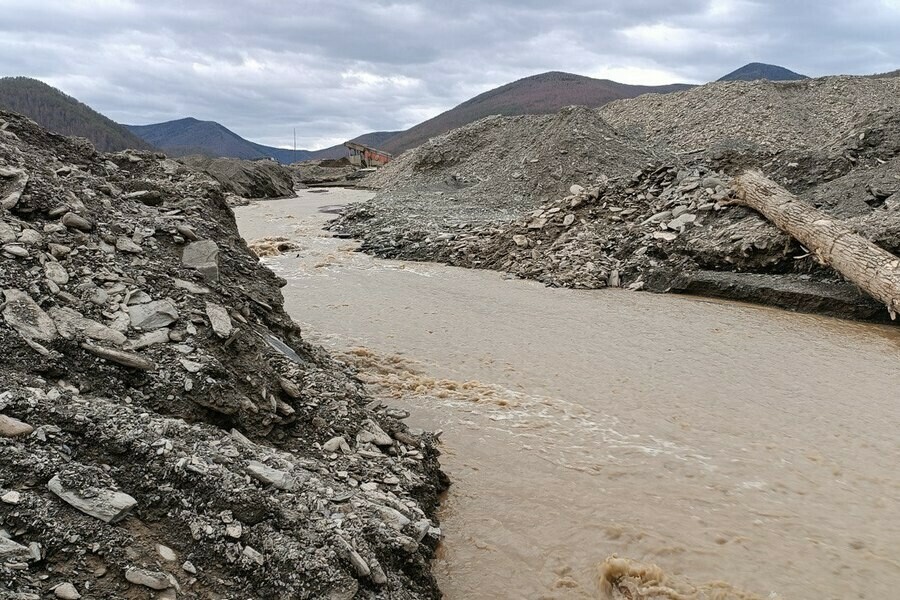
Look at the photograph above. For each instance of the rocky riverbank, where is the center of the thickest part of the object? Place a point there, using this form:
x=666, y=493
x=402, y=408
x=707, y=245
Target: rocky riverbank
x=636, y=194
x=164, y=429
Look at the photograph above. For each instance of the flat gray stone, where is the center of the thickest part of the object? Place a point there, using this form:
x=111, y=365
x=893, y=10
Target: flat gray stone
x=372, y=433
x=25, y=316
x=108, y=505
x=151, y=338
x=219, y=319
x=155, y=580
x=12, y=191
x=203, y=256
x=56, y=273
x=71, y=323
x=193, y=288
x=7, y=233
x=10, y=427
x=12, y=551
x=124, y=244
x=153, y=315
x=66, y=591
x=266, y=474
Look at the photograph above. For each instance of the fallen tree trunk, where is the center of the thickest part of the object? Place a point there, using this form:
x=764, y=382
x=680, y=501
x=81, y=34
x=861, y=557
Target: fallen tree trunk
x=874, y=270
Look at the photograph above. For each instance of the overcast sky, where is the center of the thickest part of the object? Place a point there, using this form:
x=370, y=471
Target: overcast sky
x=335, y=69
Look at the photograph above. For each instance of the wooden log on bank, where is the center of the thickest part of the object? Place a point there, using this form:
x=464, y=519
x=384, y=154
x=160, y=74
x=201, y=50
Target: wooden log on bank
x=874, y=270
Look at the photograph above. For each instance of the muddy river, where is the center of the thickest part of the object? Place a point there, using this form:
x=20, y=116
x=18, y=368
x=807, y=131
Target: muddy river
x=747, y=452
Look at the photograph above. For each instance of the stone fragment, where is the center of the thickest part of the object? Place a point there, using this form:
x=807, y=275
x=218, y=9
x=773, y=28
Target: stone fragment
x=73, y=221
x=155, y=580
x=138, y=297
x=10, y=427
x=358, y=563
x=613, y=280
x=393, y=517
x=66, y=591
x=520, y=240
x=187, y=233
x=12, y=191
x=335, y=444
x=290, y=388
x=234, y=530
x=190, y=287
x=656, y=218
x=151, y=338
x=576, y=190
x=269, y=476
x=7, y=233
x=202, y=255
x=11, y=551
x=219, y=319
x=17, y=250
x=109, y=506
x=70, y=323
x=56, y=273
x=166, y=553
x=153, y=315
x=30, y=237
x=190, y=366
x=568, y=220
x=125, y=244
x=372, y=433
x=11, y=497
x=253, y=555
x=681, y=221
x=26, y=317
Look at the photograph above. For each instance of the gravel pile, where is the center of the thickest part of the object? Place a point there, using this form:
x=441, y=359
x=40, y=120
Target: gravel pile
x=246, y=178
x=768, y=116
x=666, y=224
x=498, y=167
x=164, y=430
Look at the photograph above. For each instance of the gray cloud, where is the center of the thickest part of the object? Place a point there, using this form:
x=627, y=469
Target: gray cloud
x=334, y=70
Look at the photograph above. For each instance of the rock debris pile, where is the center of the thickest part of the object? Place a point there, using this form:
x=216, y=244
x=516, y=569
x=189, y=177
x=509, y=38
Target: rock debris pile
x=645, y=203
x=246, y=178
x=165, y=431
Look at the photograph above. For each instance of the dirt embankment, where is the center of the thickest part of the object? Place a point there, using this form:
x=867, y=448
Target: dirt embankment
x=164, y=429
x=635, y=194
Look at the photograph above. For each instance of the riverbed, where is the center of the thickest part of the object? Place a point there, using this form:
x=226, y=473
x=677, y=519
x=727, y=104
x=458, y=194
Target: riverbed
x=722, y=442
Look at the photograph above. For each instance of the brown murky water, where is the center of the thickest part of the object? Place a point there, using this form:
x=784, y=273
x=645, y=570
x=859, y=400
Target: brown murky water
x=719, y=441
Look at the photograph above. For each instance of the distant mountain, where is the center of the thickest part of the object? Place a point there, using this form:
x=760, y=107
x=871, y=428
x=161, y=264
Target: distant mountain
x=753, y=71
x=54, y=110
x=538, y=94
x=188, y=136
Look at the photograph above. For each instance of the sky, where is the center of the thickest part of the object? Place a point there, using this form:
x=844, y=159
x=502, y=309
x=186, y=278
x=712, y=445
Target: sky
x=336, y=69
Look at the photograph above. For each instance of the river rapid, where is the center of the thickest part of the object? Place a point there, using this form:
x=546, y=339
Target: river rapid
x=745, y=451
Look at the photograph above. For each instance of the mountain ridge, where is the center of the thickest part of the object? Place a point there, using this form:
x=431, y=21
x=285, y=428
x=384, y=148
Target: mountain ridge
x=188, y=136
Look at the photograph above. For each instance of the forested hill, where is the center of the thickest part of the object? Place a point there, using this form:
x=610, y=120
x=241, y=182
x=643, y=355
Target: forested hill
x=54, y=110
